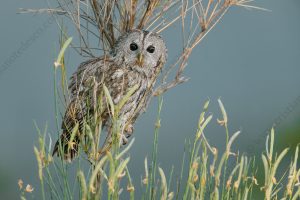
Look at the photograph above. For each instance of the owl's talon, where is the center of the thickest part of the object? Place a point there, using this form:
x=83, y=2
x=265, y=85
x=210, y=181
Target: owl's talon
x=123, y=139
x=129, y=129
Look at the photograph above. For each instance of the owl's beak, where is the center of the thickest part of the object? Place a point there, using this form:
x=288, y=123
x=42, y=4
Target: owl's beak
x=140, y=60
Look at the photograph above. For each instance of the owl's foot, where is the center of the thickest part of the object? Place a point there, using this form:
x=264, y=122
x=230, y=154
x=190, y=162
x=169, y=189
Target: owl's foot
x=124, y=139
x=126, y=134
x=129, y=130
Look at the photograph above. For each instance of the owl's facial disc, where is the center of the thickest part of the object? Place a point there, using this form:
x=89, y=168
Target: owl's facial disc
x=140, y=50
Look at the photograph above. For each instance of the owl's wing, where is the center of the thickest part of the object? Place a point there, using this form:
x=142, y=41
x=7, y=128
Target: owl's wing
x=80, y=88
x=82, y=85
x=85, y=73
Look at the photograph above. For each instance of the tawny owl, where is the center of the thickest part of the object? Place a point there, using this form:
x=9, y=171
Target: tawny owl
x=136, y=60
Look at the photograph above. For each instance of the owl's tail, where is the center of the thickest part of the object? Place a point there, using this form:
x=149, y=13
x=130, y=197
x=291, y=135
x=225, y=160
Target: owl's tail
x=66, y=148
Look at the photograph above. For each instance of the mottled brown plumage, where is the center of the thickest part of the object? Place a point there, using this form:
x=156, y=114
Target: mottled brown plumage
x=136, y=61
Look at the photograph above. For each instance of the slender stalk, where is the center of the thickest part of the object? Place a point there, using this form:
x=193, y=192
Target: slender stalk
x=151, y=187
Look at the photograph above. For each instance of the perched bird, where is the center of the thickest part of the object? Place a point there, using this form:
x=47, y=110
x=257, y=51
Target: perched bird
x=135, y=62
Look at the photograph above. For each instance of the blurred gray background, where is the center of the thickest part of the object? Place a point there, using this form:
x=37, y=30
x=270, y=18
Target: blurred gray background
x=251, y=60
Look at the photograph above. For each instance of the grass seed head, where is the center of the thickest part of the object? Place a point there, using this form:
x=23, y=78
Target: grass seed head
x=130, y=188
x=29, y=188
x=20, y=184
x=195, y=178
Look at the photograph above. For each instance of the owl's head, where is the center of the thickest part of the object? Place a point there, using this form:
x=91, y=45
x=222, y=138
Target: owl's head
x=140, y=49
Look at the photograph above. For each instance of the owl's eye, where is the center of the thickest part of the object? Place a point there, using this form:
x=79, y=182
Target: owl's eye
x=133, y=46
x=151, y=49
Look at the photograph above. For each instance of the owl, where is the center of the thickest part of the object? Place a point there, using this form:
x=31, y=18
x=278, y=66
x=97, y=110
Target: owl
x=135, y=62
